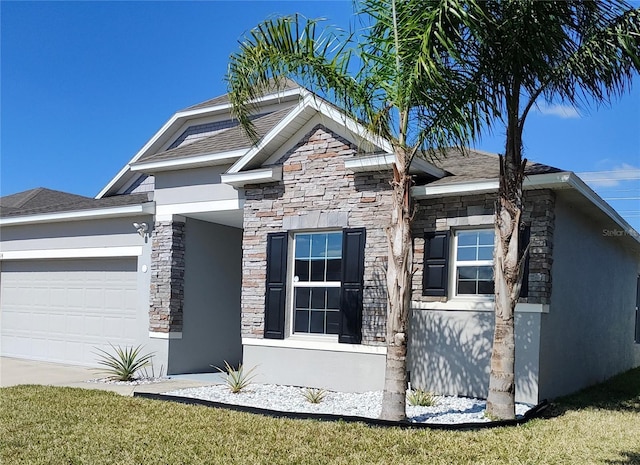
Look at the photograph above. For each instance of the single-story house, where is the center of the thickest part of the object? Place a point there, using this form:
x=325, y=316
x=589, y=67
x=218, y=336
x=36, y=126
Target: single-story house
x=205, y=248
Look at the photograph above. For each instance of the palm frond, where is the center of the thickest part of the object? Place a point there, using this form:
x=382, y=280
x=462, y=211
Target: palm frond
x=290, y=47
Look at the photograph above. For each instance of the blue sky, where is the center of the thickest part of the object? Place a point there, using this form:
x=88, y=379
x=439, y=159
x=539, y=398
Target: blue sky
x=85, y=84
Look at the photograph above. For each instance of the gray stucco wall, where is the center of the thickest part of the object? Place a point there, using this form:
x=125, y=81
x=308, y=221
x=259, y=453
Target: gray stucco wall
x=587, y=336
x=211, y=313
x=112, y=232
x=193, y=185
x=450, y=352
x=325, y=369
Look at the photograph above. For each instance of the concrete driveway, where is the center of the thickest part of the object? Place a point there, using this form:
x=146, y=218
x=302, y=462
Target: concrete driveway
x=14, y=371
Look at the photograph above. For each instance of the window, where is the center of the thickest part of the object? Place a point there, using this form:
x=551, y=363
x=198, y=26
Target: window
x=460, y=263
x=474, y=262
x=317, y=279
x=323, y=281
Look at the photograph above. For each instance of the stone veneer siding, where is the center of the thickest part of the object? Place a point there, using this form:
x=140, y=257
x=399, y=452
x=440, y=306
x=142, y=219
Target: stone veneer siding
x=167, y=277
x=448, y=212
x=317, y=191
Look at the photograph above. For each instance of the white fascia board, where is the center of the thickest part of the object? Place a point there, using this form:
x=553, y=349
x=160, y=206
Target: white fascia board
x=536, y=181
x=191, y=162
x=166, y=212
x=384, y=162
x=459, y=188
x=255, y=150
x=147, y=208
x=579, y=185
x=181, y=116
x=85, y=252
x=258, y=176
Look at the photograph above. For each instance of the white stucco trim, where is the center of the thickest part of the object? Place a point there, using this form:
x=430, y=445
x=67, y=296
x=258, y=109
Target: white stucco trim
x=87, y=252
x=291, y=343
x=147, y=208
x=195, y=161
x=158, y=335
x=263, y=175
x=166, y=212
x=475, y=305
x=384, y=162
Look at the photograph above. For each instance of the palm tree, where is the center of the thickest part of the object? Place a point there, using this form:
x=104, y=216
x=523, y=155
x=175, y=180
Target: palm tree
x=396, y=78
x=573, y=52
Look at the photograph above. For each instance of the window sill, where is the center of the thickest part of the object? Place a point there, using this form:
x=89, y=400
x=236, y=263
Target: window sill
x=310, y=344
x=476, y=305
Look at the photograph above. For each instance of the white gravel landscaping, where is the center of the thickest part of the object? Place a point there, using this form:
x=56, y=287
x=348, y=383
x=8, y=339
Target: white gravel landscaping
x=448, y=409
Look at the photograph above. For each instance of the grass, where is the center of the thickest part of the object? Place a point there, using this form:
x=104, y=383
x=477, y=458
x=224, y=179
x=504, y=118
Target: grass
x=50, y=425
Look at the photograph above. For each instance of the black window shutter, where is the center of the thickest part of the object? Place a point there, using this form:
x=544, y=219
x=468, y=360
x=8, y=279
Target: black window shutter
x=436, y=264
x=525, y=237
x=276, y=291
x=351, y=295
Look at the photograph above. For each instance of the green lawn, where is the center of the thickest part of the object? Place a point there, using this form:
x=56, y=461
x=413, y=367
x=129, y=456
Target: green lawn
x=47, y=425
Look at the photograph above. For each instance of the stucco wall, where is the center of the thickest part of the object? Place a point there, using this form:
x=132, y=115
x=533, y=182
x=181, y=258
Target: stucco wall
x=211, y=311
x=587, y=336
x=193, y=185
x=112, y=232
x=450, y=351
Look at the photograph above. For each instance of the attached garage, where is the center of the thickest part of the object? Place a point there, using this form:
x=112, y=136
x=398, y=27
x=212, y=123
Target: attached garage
x=61, y=310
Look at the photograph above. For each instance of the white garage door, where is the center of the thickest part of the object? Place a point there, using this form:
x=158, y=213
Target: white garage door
x=61, y=310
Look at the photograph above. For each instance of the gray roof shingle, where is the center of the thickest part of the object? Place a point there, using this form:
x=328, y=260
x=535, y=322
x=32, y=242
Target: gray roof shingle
x=222, y=99
x=222, y=141
x=42, y=200
x=475, y=165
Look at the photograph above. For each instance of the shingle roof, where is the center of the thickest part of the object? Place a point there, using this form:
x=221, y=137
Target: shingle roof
x=222, y=141
x=42, y=200
x=476, y=165
x=222, y=99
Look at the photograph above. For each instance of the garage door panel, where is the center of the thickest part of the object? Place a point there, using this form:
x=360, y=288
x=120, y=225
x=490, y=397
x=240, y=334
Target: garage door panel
x=60, y=310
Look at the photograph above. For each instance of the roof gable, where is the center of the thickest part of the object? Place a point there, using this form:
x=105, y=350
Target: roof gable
x=173, y=128
x=225, y=140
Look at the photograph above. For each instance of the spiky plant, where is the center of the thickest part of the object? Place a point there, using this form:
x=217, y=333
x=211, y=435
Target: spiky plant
x=123, y=364
x=314, y=395
x=236, y=379
x=421, y=398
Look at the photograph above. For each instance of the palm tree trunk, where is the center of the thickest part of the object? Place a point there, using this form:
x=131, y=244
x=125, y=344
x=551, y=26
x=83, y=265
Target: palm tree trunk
x=399, y=298
x=507, y=276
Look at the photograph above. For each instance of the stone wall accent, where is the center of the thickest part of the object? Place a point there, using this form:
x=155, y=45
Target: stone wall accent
x=167, y=277
x=445, y=213
x=317, y=192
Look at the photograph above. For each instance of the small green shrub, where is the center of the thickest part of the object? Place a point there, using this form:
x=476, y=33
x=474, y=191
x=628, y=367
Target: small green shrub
x=124, y=363
x=421, y=398
x=236, y=380
x=314, y=395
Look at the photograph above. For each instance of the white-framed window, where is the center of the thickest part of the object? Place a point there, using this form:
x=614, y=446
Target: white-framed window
x=473, y=262
x=316, y=282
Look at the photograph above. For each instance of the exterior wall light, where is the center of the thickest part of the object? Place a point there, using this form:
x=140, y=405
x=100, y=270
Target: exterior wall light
x=142, y=228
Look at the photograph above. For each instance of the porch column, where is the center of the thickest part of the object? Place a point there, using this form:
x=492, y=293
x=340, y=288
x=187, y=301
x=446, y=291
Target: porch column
x=167, y=277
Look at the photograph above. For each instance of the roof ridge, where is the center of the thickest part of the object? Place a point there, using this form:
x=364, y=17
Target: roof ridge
x=31, y=194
